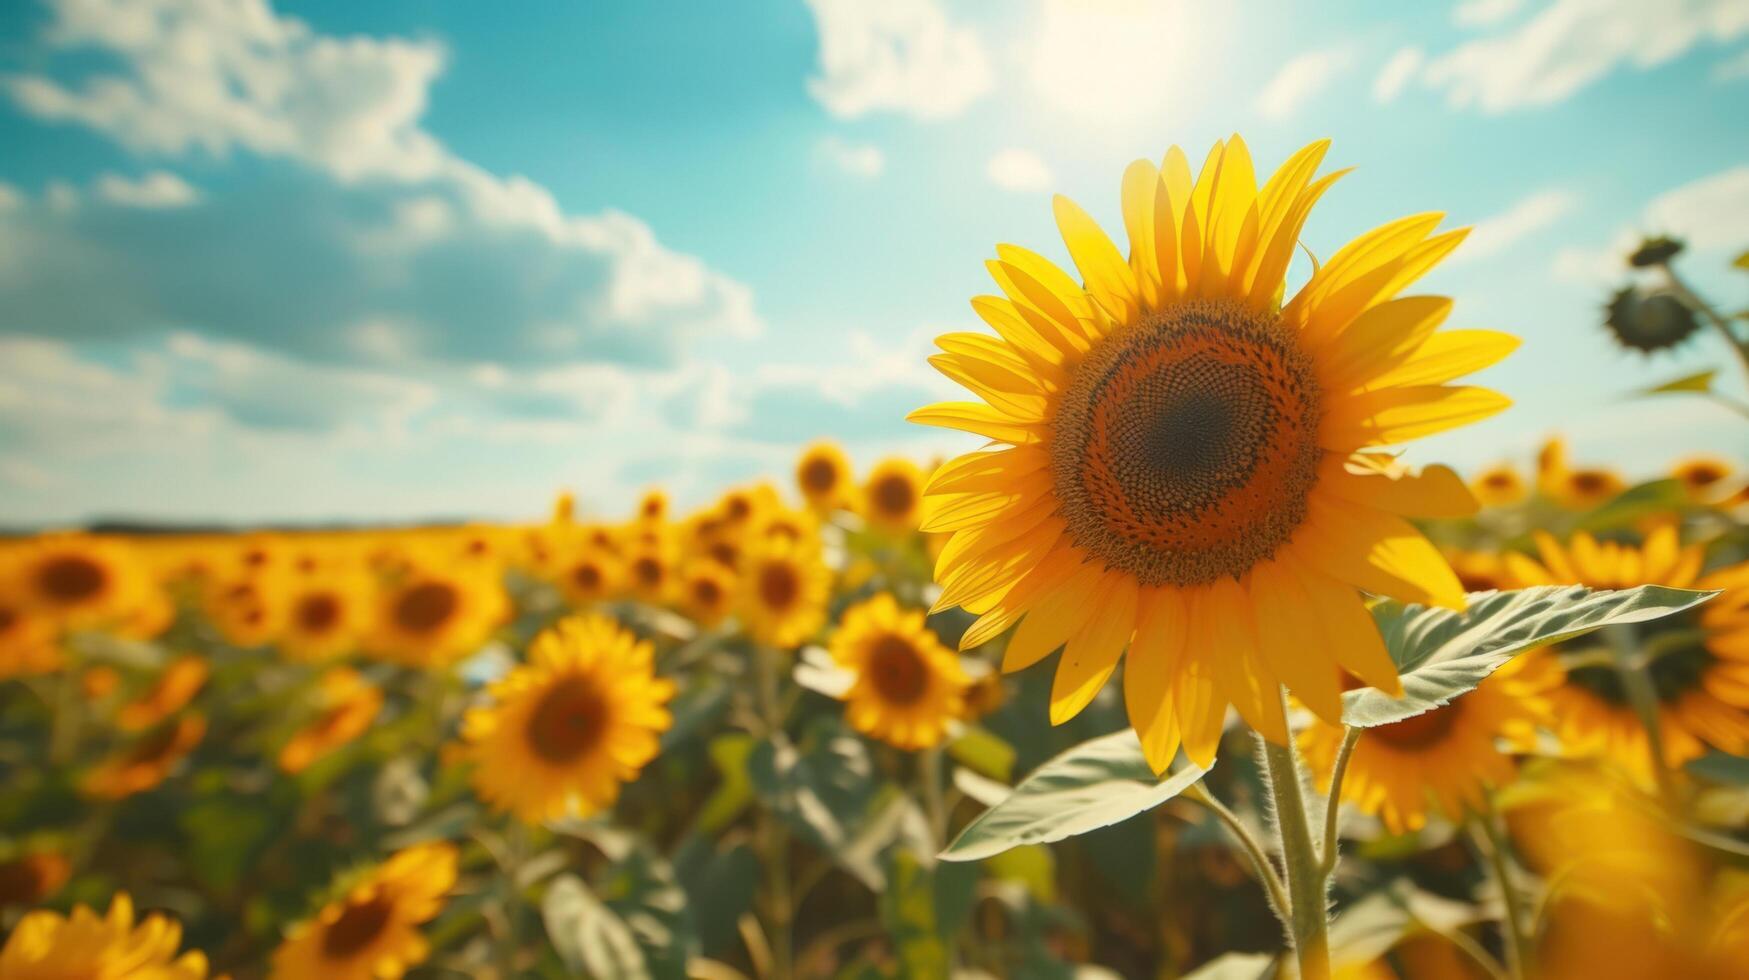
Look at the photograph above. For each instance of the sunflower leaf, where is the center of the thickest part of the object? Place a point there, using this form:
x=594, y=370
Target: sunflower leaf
x=1093, y=785
x=1441, y=654
x=587, y=935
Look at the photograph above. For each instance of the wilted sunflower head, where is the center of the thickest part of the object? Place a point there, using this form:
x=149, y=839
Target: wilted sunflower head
x=1184, y=465
x=1649, y=322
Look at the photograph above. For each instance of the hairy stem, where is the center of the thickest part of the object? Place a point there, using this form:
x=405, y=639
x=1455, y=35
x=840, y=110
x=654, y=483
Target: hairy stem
x=1333, y=806
x=1307, y=881
x=1271, y=881
x=1492, y=843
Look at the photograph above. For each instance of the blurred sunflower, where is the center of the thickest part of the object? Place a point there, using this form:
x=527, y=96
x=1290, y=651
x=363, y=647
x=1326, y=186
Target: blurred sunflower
x=1449, y=758
x=565, y=730
x=650, y=572
x=175, y=686
x=434, y=615
x=1183, y=471
x=32, y=878
x=1699, y=659
x=653, y=507
x=27, y=641
x=796, y=526
x=373, y=932
x=738, y=506
x=591, y=575
x=48, y=946
x=348, y=704
x=248, y=611
x=707, y=592
x=1498, y=486
x=892, y=496
x=564, y=507
x=1702, y=477
x=783, y=594
x=1478, y=571
x=78, y=581
x=147, y=761
x=328, y=615
x=1588, y=487
x=823, y=476
x=908, y=686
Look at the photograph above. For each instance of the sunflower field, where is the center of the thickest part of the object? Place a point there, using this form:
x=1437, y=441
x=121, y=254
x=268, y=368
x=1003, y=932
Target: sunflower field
x=1177, y=671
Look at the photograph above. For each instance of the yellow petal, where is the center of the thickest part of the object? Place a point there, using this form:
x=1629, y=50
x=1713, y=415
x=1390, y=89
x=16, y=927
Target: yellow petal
x=1276, y=252
x=990, y=470
x=1285, y=621
x=1091, y=653
x=1201, y=708
x=1149, y=669
x=1139, y=181
x=1376, y=551
x=1347, y=629
x=1380, y=339
x=1254, y=690
x=999, y=352
x=1393, y=415
x=1108, y=276
x=1046, y=350
x=1435, y=491
x=1030, y=586
x=1052, y=621
x=1447, y=355
x=1012, y=393
x=979, y=419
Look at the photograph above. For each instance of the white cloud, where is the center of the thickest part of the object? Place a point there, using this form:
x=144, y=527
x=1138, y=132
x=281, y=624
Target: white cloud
x=1573, y=43
x=1732, y=68
x=856, y=159
x=232, y=75
x=1301, y=79
x=1397, y=74
x=1123, y=61
x=1525, y=217
x=1015, y=169
x=902, y=56
x=1483, y=13
x=1709, y=214
x=158, y=189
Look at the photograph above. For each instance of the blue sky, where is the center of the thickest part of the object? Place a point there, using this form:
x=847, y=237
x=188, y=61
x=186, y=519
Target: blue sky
x=313, y=260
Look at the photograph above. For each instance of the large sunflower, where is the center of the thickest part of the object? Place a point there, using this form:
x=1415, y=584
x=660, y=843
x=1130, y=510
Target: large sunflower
x=565, y=730
x=373, y=932
x=1699, y=668
x=1450, y=757
x=1180, y=466
x=783, y=594
x=908, y=686
x=46, y=945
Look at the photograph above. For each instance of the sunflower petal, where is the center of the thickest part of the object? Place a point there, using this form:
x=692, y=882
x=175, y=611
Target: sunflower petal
x=1091, y=653
x=1435, y=491
x=1052, y=621
x=1254, y=690
x=1380, y=339
x=1285, y=619
x=1376, y=551
x=1393, y=415
x=1447, y=355
x=1139, y=181
x=1108, y=276
x=1149, y=668
x=978, y=419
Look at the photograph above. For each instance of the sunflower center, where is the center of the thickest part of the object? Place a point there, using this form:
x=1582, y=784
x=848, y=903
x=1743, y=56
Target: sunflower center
x=8, y=618
x=425, y=607
x=587, y=577
x=779, y=586
x=706, y=592
x=569, y=720
x=1185, y=446
x=726, y=553
x=318, y=613
x=648, y=572
x=1422, y=731
x=894, y=496
x=357, y=927
x=1586, y=481
x=819, y=475
x=71, y=578
x=896, y=670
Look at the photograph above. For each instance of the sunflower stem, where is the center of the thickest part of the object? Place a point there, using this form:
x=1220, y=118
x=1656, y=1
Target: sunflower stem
x=1333, y=806
x=934, y=804
x=1272, y=886
x=1307, y=882
x=774, y=837
x=64, y=717
x=1492, y=844
x=1693, y=301
x=1636, y=681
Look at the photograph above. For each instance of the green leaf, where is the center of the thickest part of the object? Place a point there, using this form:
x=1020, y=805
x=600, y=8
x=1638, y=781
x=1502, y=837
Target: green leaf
x=1700, y=382
x=1093, y=785
x=729, y=754
x=826, y=790
x=1721, y=767
x=588, y=937
x=1635, y=504
x=907, y=907
x=1235, y=966
x=1441, y=654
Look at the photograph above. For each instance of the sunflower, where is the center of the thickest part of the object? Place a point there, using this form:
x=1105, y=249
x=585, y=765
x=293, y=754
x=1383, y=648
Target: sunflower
x=248, y=610
x=1702, y=477
x=892, y=496
x=78, y=581
x=1180, y=466
x=1479, y=571
x=32, y=878
x=180, y=681
x=27, y=641
x=908, y=686
x=329, y=614
x=1588, y=487
x=1699, y=669
x=783, y=594
x=1449, y=757
x=48, y=946
x=650, y=572
x=373, y=932
x=1498, y=486
x=564, y=507
x=707, y=592
x=432, y=616
x=823, y=476
x=147, y=761
x=348, y=705
x=653, y=506
x=564, y=731
x=591, y=575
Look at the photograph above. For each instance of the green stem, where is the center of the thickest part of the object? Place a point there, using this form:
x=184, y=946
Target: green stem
x=1492, y=843
x=1637, y=683
x=64, y=725
x=773, y=835
x=934, y=805
x=1333, y=806
x=1307, y=882
x=1693, y=301
x=1271, y=881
